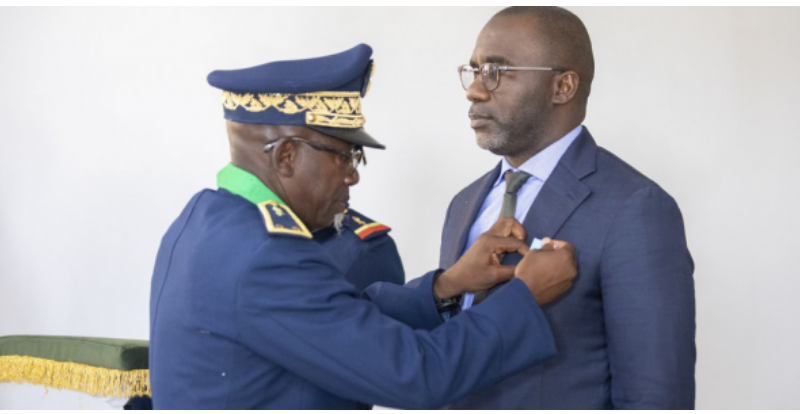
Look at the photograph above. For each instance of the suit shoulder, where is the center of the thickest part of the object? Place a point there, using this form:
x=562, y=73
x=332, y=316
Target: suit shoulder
x=617, y=175
x=364, y=227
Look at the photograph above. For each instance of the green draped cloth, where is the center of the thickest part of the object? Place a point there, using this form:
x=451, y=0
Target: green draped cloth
x=98, y=366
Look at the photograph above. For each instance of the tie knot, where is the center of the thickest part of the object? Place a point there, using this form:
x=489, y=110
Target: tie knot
x=515, y=180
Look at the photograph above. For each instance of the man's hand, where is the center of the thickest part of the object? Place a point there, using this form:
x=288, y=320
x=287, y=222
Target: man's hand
x=507, y=227
x=548, y=272
x=479, y=268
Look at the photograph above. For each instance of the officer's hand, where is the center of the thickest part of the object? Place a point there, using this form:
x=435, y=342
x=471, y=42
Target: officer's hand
x=508, y=227
x=479, y=268
x=548, y=272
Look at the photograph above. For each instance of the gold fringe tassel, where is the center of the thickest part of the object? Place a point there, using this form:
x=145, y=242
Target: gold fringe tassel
x=77, y=377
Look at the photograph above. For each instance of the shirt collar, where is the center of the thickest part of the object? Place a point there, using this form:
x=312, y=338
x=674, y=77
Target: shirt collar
x=541, y=165
x=246, y=185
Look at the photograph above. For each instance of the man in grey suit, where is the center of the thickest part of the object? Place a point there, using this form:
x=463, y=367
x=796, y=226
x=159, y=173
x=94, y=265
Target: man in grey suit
x=625, y=332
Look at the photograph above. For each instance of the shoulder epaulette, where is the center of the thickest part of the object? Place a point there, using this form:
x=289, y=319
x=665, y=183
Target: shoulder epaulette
x=364, y=227
x=281, y=220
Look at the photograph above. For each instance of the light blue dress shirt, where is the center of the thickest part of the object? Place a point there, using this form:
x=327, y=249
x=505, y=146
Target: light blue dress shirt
x=540, y=166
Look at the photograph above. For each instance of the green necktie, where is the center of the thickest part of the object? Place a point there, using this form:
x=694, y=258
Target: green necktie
x=514, y=181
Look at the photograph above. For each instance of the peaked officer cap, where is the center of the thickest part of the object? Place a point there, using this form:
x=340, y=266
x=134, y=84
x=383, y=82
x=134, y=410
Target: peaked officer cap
x=322, y=93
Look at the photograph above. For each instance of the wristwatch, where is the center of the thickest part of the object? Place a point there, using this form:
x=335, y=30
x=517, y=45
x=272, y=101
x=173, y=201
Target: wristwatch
x=446, y=305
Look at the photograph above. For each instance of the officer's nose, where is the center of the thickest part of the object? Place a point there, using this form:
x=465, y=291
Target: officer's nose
x=352, y=178
x=476, y=92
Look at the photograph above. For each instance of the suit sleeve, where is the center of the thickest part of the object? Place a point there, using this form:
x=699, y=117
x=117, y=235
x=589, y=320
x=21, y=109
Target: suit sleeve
x=297, y=312
x=649, y=306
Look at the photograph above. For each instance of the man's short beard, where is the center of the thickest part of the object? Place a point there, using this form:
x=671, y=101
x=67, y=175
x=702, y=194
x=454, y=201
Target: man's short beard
x=498, y=143
x=338, y=222
x=516, y=137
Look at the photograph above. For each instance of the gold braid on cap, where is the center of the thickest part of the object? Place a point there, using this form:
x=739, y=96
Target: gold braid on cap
x=330, y=109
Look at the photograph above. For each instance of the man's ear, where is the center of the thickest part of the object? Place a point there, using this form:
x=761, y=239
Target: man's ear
x=285, y=157
x=566, y=87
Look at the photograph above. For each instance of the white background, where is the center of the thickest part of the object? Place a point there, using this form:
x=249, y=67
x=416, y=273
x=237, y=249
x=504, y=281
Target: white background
x=108, y=127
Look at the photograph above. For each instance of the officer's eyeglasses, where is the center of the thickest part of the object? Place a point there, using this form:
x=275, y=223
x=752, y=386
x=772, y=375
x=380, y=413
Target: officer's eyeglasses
x=352, y=158
x=490, y=74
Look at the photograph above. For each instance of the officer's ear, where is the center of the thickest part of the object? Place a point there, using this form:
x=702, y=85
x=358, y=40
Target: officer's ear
x=284, y=157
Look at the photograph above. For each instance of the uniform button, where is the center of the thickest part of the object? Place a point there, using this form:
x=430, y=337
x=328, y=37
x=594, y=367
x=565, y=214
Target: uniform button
x=223, y=374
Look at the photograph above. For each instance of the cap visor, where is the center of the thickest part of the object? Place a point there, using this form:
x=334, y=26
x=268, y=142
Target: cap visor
x=354, y=136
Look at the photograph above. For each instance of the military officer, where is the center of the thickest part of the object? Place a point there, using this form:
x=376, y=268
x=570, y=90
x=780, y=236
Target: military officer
x=247, y=311
x=363, y=252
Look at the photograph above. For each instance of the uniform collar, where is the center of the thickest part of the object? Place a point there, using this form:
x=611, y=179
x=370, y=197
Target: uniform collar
x=246, y=185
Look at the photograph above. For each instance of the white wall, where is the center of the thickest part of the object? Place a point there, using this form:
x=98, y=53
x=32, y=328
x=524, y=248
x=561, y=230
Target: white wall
x=108, y=127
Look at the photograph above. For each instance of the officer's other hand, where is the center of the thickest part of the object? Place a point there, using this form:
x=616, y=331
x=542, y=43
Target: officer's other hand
x=479, y=268
x=548, y=272
x=508, y=227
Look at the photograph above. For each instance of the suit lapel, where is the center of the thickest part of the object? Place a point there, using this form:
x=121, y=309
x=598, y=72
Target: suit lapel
x=464, y=211
x=559, y=197
x=562, y=193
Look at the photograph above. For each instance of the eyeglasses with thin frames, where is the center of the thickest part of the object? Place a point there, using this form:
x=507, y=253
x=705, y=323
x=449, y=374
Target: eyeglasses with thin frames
x=352, y=158
x=490, y=74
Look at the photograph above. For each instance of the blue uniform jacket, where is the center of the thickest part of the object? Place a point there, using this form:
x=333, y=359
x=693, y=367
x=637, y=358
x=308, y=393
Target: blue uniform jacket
x=625, y=331
x=245, y=318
